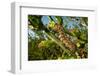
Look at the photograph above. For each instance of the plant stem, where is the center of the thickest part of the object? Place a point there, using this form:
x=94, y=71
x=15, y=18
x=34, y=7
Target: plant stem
x=53, y=38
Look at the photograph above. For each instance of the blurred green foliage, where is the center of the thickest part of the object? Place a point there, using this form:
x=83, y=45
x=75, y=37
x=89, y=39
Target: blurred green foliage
x=47, y=41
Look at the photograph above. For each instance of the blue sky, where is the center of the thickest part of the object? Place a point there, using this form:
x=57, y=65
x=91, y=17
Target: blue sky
x=66, y=21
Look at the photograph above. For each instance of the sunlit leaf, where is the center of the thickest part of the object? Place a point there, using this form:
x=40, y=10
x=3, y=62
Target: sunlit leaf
x=59, y=19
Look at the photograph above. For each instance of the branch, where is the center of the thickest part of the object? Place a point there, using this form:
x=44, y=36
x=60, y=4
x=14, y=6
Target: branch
x=58, y=42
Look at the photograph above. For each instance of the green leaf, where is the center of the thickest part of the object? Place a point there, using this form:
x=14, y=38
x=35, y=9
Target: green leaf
x=51, y=24
x=59, y=19
x=78, y=44
x=46, y=43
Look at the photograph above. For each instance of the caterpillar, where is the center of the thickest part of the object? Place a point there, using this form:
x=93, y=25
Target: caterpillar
x=63, y=37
